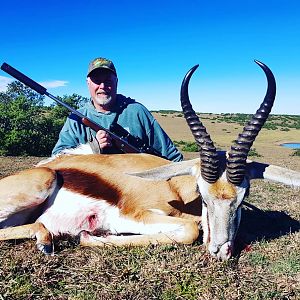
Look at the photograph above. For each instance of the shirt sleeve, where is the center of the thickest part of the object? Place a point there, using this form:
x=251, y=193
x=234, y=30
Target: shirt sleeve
x=156, y=136
x=162, y=142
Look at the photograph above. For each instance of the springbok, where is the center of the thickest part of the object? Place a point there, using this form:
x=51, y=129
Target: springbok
x=138, y=199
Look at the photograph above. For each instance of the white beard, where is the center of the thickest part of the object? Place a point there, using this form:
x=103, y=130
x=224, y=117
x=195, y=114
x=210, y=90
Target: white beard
x=103, y=100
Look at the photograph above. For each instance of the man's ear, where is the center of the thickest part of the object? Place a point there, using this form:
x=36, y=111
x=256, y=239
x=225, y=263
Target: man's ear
x=168, y=171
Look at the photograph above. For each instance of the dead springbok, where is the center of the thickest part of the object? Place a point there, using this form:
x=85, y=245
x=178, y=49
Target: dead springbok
x=109, y=199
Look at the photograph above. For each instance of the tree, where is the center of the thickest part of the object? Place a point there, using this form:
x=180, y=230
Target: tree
x=59, y=112
x=16, y=89
x=26, y=126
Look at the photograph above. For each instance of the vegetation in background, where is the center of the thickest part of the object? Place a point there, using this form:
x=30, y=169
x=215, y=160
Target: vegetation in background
x=27, y=127
x=166, y=111
x=274, y=122
x=296, y=153
x=186, y=146
x=254, y=153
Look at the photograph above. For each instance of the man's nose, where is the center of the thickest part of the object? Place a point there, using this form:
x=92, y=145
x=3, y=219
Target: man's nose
x=101, y=85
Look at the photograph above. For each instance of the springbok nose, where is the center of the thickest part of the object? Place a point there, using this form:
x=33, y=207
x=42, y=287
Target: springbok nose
x=222, y=252
x=214, y=249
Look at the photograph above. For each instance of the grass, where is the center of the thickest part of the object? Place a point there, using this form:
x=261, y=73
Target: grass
x=183, y=272
x=268, y=267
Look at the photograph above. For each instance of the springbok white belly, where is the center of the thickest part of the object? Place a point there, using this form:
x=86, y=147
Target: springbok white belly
x=71, y=213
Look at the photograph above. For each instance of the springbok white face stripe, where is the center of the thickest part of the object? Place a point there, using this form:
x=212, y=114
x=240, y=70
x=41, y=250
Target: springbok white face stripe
x=205, y=225
x=221, y=214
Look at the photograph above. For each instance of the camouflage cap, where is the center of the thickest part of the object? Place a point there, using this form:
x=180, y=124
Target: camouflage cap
x=101, y=63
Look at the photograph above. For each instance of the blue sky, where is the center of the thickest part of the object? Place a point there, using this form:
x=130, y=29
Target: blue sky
x=154, y=43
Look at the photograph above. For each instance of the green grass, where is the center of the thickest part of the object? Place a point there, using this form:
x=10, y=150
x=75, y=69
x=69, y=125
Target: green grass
x=288, y=265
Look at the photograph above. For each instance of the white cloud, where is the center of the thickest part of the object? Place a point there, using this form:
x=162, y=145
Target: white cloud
x=4, y=81
x=54, y=83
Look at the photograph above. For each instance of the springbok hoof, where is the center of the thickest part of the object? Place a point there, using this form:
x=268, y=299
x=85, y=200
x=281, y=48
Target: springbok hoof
x=47, y=249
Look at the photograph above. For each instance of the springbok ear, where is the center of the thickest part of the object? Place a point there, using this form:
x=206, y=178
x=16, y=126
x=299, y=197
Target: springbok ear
x=188, y=167
x=258, y=170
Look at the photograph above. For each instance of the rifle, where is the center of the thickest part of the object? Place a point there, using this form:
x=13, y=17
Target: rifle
x=121, y=138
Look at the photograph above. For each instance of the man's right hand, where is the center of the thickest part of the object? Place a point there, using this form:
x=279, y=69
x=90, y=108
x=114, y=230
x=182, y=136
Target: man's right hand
x=103, y=139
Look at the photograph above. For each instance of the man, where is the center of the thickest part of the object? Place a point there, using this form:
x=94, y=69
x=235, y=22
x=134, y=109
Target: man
x=106, y=108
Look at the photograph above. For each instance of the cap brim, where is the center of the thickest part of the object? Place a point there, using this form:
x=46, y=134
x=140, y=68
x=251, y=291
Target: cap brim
x=102, y=67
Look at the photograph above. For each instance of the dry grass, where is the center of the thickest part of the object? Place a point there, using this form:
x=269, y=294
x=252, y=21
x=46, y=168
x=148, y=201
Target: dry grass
x=268, y=267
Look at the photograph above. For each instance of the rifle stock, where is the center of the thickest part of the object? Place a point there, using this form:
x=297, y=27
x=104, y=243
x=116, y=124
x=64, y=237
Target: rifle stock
x=120, y=142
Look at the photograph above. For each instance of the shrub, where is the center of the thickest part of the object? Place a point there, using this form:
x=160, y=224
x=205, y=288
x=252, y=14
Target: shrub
x=253, y=152
x=190, y=147
x=187, y=146
x=296, y=153
x=26, y=126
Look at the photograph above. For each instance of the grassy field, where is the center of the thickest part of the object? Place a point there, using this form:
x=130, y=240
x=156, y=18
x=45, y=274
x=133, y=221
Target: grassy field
x=266, y=267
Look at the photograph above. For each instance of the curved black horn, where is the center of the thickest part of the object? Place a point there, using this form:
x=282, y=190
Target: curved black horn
x=236, y=162
x=208, y=152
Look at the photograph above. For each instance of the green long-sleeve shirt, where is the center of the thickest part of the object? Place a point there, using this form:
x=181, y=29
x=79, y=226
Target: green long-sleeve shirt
x=131, y=115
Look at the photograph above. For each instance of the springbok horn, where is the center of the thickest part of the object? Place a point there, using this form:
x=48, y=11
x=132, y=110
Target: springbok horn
x=207, y=150
x=236, y=161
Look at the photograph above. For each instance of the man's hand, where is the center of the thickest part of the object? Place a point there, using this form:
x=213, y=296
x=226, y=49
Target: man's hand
x=103, y=139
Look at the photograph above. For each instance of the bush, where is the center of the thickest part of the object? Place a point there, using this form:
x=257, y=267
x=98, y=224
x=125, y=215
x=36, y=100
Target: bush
x=190, y=147
x=253, y=152
x=296, y=153
x=26, y=126
x=187, y=146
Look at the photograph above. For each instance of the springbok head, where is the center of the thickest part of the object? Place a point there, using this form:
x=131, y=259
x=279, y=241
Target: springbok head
x=223, y=180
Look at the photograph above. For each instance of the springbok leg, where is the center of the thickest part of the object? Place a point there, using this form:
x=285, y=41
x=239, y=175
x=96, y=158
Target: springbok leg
x=35, y=230
x=149, y=229
x=22, y=191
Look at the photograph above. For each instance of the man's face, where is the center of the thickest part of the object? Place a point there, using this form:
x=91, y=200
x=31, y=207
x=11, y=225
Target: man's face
x=102, y=85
